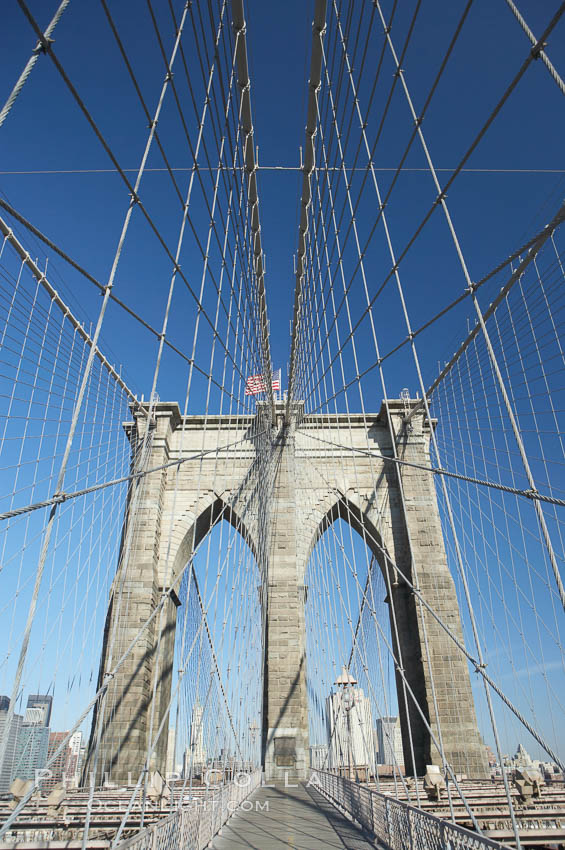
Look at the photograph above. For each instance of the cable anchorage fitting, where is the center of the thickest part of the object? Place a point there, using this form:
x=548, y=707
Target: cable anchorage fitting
x=538, y=48
x=43, y=44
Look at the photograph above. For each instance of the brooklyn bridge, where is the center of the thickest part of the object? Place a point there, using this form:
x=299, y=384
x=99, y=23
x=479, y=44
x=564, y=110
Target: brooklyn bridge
x=281, y=409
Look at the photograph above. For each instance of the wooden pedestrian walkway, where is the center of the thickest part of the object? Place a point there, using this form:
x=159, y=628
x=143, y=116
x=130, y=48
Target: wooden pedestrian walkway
x=299, y=818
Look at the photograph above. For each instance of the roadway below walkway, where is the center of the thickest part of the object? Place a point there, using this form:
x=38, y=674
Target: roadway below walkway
x=279, y=818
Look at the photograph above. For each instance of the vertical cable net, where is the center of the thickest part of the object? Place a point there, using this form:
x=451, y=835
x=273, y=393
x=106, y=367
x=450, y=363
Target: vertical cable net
x=134, y=558
x=388, y=285
x=42, y=356
x=421, y=437
x=518, y=604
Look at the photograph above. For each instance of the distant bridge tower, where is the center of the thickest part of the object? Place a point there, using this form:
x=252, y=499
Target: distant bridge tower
x=316, y=479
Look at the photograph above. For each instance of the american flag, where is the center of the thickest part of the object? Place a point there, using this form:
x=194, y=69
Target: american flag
x=255, y=384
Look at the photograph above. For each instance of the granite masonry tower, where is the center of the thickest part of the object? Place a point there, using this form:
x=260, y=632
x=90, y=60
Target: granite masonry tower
x=319, y=472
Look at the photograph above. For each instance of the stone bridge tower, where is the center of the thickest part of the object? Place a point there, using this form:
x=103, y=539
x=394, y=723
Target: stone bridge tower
x=329, y=467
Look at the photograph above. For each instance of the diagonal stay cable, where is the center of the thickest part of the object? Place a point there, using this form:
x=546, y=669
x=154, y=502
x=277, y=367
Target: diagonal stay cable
x=532, y=246
x=36, y=53
x=135, y=199
x=247, y=167
x=65, y=497
x=479, y=666
x=42, y=280
x=542, y=54
x=166, y=595
x=45, y=239
x=472, y=147
x=369, y=168
x=540, y=241
x=318, y=31
x=533, y=495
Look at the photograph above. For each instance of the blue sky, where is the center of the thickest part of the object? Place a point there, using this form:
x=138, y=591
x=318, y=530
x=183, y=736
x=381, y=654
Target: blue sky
x=493, y=212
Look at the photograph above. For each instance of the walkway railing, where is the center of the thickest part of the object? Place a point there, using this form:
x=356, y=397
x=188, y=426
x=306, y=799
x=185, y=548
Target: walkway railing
x=194, y=825
x=397, y=825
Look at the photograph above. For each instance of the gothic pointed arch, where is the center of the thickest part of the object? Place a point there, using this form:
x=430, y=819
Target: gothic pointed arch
x=195, y=522
x=361, y=519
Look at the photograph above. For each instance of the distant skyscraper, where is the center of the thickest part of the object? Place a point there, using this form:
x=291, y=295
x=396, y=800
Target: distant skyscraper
x=171, y=746
x=33, y=739
x=74, y=764
x=58, y=767
x=43, y=704
x=64, y=769
x=522, y=757
x=350, y=728
x=197, y=735
x=390, y=741
x=31, y=750
x=8, y=763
